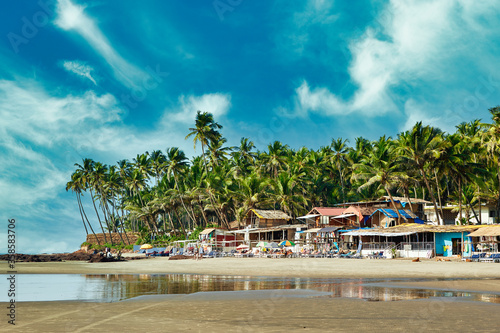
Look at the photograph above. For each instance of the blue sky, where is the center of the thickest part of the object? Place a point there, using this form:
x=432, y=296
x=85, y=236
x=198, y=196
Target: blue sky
x=109, y=80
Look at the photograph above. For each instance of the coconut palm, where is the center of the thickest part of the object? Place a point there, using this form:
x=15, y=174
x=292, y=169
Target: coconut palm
x=380, y=166
x=418, y=147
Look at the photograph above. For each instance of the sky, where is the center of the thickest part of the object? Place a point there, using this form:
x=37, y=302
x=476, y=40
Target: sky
x=108, y=80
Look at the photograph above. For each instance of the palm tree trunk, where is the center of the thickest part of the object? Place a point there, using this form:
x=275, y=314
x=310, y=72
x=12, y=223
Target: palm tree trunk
x=98, y=217
x=203, y=213
x=81, y=214
x=460, y=198
x=393, y=205
x=172, y=224
x=432, y=195
x=182, y=201
x=439, y=194
x=341, y=182
x=88, y=222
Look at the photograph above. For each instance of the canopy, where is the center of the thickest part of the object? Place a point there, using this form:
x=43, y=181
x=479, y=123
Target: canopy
x=207, y=231
x=343, y=215
x=486, y=231
x=308, y=216
x=378, y=233
x=329, y=229
x=313, y=230
x=392, y=213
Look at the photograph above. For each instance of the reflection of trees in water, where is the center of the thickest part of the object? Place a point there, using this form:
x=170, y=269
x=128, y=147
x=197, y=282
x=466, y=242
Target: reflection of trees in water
x=114, y=287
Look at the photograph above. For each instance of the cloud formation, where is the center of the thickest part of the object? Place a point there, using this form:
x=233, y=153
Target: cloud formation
x=217, y=104
x=79, y=68
x=72, y=17
x=407, y=58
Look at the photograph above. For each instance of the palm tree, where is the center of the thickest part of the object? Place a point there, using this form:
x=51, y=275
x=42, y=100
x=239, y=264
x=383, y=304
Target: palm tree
x=275, y=159
x=286, y=193
x=77, y=186
x=492, y=139
x=418, y=147
x=177, y=163
x=340, y=150
x=87, y=174
x=205, y=130
x=380, y=166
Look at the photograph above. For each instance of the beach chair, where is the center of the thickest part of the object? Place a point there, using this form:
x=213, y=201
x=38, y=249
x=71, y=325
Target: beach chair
x=479, y=256
x=496, y=257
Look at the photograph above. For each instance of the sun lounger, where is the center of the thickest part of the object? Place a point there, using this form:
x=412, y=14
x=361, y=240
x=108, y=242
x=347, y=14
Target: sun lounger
x=494, y=257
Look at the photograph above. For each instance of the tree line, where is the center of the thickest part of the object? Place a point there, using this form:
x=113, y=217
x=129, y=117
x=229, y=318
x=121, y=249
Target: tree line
x=165, y=192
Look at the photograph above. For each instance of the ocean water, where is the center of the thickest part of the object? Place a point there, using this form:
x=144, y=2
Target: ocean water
x=118, y=287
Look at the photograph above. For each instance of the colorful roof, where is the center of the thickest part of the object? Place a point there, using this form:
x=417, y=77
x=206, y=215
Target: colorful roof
x=271, y=214
x=327, y=211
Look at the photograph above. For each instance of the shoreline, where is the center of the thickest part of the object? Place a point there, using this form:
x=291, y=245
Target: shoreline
x=271, y=311
x=296, y=267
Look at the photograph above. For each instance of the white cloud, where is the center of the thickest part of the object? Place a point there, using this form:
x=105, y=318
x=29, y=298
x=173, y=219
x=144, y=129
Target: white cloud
x=79, y=68
x=416, y=59
x=72, y=17
x=217, y=103
x=43, y=135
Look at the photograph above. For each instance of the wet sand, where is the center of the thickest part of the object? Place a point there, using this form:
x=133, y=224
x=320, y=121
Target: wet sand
x=271, y=314
x=270, y=311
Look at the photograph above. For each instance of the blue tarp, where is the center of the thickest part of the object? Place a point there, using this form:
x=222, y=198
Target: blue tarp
x=392, y=213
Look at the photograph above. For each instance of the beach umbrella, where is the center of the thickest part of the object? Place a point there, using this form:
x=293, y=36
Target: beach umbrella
x=287, y=243
x=242, y=246
x=273, y=245
x=262, y=244
x=146, y=246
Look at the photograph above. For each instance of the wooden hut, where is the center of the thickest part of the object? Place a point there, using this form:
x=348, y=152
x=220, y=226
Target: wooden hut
x=259, y=218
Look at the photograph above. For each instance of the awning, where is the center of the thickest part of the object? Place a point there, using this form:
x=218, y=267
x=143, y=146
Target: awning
x=342, y=216
x=328, y=229
x=207, y=231
x=308, y=216
x=378, y=233
x=486, y=231
x=313, y=230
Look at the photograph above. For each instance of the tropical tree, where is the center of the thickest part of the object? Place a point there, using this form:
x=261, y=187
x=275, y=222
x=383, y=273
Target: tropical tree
x=418, y=147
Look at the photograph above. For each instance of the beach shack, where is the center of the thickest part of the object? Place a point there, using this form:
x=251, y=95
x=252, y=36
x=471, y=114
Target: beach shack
x=386, y=217
x=260, y=218
x=486, y=239
x=320, y=217
x=219, y=239
x=416, y=240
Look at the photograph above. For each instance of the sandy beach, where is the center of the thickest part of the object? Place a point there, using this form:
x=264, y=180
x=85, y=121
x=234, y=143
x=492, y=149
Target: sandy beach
x=296, y=267
x=270, y=311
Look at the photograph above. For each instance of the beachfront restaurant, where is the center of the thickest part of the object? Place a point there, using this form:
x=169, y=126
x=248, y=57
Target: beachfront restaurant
x=415, y=240
x=486, y=239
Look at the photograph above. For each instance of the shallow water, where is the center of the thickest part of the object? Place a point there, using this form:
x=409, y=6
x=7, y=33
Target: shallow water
x=117, y=287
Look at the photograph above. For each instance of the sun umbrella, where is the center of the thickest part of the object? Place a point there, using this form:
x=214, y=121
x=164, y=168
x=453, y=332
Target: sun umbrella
x=146, y=246
x=262, y=244
x=242, y=246
x=273, y=245
x=287, y=243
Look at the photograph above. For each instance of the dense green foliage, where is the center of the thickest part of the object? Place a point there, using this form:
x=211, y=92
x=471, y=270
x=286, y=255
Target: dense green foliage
x=161, y=192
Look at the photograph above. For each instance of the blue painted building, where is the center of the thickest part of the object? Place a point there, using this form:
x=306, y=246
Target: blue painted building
x=452, y=243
